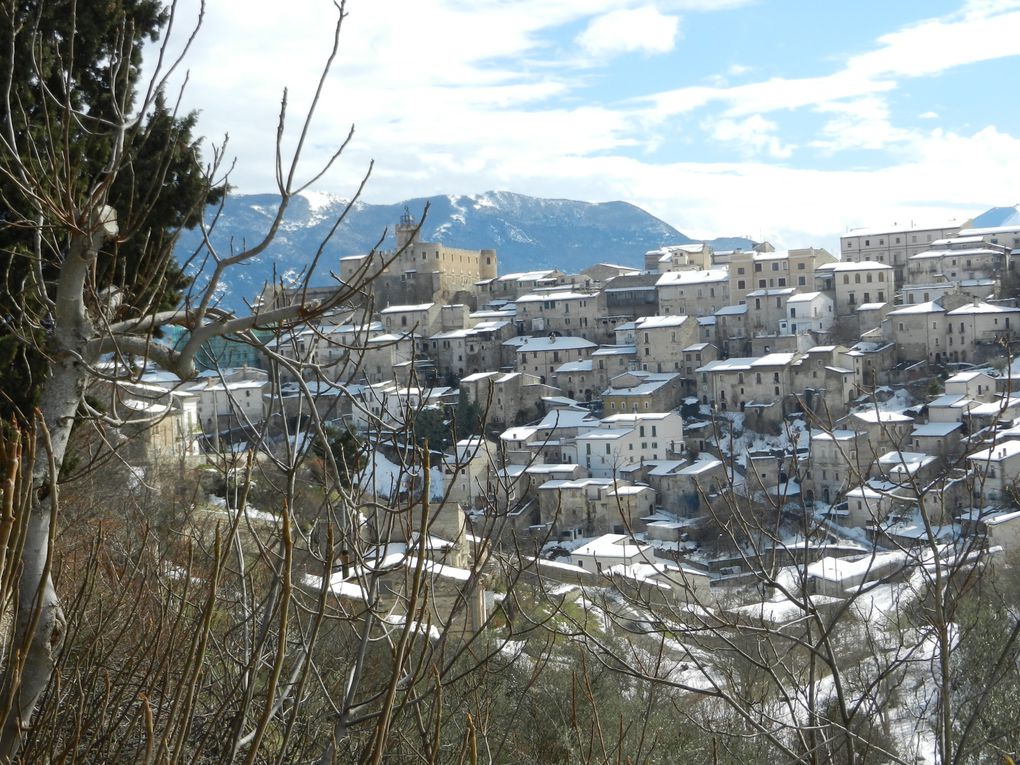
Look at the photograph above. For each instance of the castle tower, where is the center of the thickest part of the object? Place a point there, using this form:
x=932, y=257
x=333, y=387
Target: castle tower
x=406, y=230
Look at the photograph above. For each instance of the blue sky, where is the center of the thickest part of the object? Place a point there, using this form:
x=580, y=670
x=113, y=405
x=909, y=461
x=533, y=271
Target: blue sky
x=781, y=119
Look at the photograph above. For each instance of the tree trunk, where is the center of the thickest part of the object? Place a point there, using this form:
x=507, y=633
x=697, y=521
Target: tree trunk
x=39, y=627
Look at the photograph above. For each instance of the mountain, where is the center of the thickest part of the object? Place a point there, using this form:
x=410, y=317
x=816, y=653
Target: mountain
x=527, y=233
x=997, y=216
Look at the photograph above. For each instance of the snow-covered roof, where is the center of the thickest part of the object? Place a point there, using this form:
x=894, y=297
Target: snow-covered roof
x=681, y=278
x=744, y=363
x=905, y=228
x=834, y=435
x=575, y=366
x=657, y=322
x=612, y=546
x=406, y=308
x=701, y=465
x=805, y=297
x=840, y=266
x=554, y=343
x=631, y=417
x=567, y=418
x=874, y=416
x=614, y=350
x=936, y=429
x=540, y=297
x=931, y=306
x=981, y=307
x=773, y=292
x=967, y=376
x=732, y=310
x=525, y=276
x=1000, y=451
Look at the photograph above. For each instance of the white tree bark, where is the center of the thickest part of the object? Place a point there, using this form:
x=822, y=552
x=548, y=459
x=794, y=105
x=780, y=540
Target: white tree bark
x=39, y=626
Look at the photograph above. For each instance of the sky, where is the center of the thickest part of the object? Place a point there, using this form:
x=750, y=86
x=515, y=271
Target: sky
x=787, y=120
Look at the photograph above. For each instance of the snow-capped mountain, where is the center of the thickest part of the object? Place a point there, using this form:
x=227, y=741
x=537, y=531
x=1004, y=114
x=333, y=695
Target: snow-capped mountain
x=526, y=232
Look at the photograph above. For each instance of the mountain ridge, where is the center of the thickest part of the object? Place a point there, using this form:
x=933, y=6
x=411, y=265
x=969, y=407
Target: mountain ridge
x=528, y=233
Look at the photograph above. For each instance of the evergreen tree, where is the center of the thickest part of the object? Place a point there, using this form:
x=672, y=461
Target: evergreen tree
x=74, y=69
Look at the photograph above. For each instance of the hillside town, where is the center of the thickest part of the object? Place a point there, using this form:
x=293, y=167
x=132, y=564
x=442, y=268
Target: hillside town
x=620, y=415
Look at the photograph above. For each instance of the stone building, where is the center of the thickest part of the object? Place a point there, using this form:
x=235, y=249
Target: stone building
x=421, y=272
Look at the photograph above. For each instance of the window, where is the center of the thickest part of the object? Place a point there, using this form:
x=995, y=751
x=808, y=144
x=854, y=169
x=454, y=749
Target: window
x=741, y=285
x=775, y=266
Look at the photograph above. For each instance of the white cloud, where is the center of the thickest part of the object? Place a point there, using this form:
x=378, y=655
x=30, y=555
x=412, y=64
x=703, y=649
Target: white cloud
x=985, y=30
x=929, y=115
x=638, y=30
x=861, y=123
x=452, y=96
x=752, y=136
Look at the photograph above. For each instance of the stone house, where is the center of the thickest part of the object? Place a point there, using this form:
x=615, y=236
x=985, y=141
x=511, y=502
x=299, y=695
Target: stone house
x=627, y=439
x=808, y=312
x=421, y=319
x=679, y=257
x=731, y=330
x=995, y=471
x=758, y=386
x=974, y=384
x=641, y=391
x=459, y=352
x=631, y=296
x=854, y=283
x=505, y=396
x=562, y=313
x=695, y=356
x=767, y=310
x=893, y=246
x=942, y=440
x=541, y=356
x=838, y=459
x=693, y=293
x=589, y=506
x=658, y=340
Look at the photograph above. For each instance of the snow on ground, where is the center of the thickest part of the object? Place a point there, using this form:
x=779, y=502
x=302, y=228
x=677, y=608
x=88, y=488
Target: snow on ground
x=886, y=399
x=218, y=506
x=385, y=478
